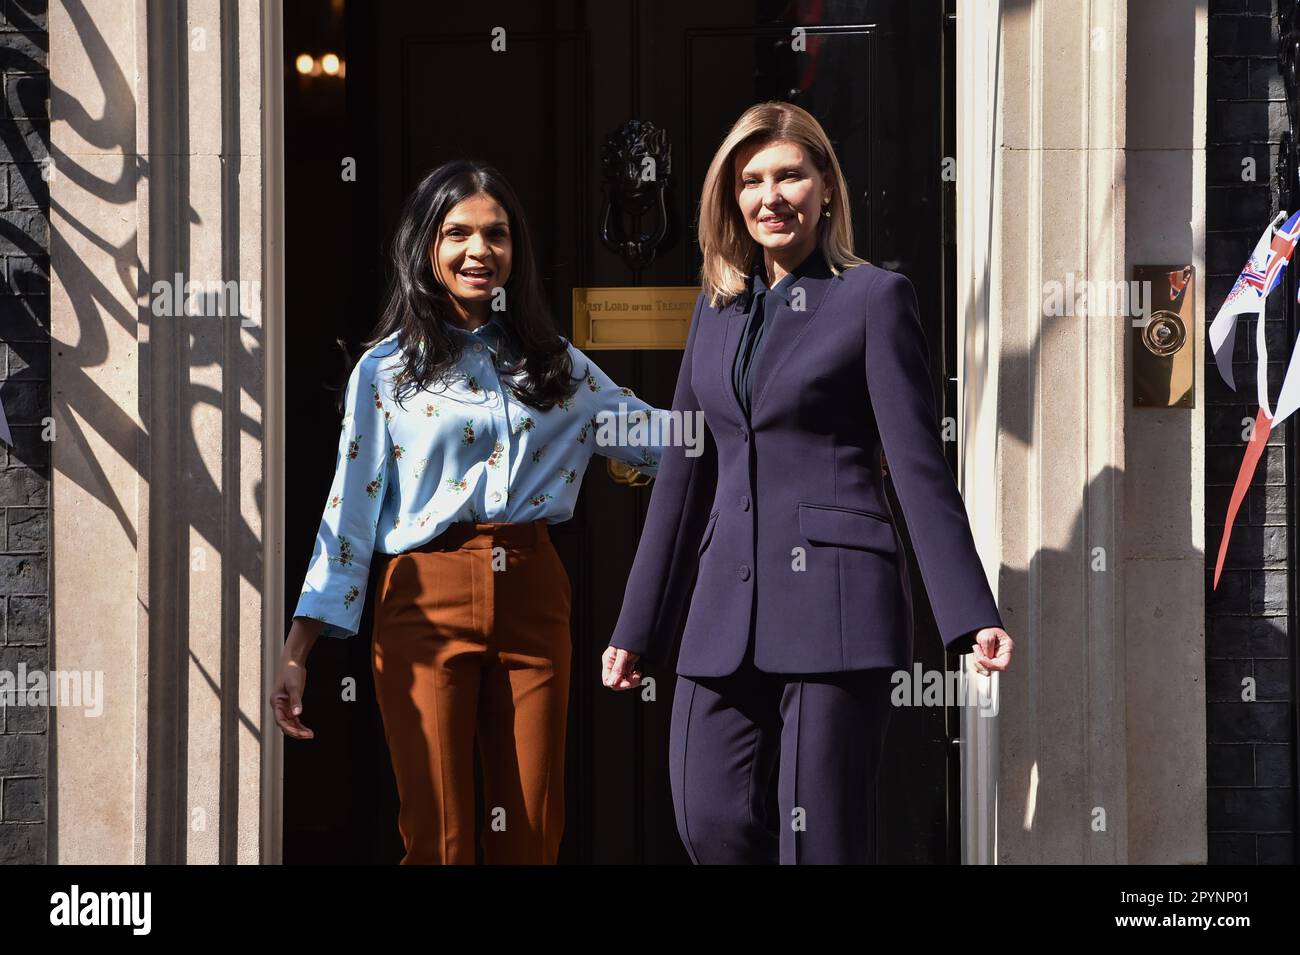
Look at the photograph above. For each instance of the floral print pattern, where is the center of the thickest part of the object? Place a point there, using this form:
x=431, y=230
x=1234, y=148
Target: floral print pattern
x=464, y=449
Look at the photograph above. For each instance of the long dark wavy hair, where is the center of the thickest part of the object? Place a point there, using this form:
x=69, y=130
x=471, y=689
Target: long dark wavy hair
x=417, y=302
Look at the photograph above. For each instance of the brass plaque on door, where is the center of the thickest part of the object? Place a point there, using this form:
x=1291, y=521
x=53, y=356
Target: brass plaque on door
x=1164, y=338
x=633, y=317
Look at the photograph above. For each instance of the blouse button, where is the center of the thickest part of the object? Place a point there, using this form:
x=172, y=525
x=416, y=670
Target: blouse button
x=496, y=496
x=478, y=346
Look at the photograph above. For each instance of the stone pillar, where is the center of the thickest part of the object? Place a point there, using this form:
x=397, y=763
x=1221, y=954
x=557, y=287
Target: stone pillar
x=1164, y=483
x=161, y=526
x=1080, y=155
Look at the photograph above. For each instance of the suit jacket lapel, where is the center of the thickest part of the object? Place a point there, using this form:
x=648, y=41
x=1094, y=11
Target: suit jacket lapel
x=788, y=327
x=734, y=316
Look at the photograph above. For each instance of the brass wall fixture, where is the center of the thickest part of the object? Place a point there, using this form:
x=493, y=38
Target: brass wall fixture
x=633, y=317
x=625, y=474
x=1164, y=348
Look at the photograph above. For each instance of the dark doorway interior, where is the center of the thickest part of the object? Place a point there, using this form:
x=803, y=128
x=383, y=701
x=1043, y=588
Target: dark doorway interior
x=422, y=85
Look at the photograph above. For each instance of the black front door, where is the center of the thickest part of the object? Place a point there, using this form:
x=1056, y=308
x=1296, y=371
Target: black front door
x=425, y=83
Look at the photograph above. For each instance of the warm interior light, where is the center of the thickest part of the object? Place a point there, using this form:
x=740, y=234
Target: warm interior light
x=304, y=63
x=329, y=63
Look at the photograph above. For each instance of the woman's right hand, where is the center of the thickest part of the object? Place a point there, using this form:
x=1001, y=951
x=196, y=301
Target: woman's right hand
x=619, y=670
x=291, y=678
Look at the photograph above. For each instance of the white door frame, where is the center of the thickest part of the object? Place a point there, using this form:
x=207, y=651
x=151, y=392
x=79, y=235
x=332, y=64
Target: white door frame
x=978, y=32
x=273, y=231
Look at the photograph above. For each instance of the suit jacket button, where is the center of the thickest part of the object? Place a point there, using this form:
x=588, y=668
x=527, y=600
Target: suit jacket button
x=744, y=572
x=744, y=502
x=744, y=435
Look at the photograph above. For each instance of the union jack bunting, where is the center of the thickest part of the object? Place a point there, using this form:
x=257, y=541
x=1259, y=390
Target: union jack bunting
x=1261, y=274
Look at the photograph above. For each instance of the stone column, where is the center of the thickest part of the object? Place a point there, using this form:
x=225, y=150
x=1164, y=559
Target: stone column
x=1092, y=509
x=1164, y=517
x=162, y=578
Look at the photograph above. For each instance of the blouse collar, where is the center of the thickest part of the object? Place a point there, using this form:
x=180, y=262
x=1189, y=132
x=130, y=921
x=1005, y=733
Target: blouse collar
x=490, y=332
x=782, y=288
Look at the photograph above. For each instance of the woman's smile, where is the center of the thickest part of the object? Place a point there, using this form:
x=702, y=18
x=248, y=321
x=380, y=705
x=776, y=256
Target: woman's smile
x=476, y=276
x=774, y=222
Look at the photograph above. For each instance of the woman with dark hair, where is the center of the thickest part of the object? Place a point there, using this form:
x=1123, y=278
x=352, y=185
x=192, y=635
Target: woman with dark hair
x=469, y=422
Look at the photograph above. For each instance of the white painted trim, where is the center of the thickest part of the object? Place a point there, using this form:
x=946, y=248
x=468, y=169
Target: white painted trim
x=978, y=74
x=273, y=596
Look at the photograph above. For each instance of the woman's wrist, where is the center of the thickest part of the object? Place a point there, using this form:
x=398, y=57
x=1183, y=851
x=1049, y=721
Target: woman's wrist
x=303, y=634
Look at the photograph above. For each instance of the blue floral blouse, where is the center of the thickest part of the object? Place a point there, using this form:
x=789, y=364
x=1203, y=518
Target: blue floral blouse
x=464, y=450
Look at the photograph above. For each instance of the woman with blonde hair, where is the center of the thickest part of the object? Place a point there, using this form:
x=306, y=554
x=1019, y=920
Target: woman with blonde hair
x=811, y=370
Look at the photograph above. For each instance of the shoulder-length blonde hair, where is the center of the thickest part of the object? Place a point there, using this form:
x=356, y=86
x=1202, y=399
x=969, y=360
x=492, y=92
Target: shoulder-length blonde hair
x=730, y=252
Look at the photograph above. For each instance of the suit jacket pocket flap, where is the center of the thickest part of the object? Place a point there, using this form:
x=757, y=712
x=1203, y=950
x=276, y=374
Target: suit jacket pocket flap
x=708, y=533
x=847, y=527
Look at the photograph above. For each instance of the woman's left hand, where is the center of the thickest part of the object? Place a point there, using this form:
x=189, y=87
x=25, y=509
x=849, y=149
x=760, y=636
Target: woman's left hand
x=992, y=650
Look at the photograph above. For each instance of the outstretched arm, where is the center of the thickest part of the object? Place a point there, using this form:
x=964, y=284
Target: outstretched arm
x=898, y=383
x=666, y=557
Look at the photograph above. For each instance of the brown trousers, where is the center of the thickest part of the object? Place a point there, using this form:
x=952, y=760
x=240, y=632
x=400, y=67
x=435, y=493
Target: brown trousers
x=472, y=636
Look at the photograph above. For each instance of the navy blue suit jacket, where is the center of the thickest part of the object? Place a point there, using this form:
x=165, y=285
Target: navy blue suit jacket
x=782, y=522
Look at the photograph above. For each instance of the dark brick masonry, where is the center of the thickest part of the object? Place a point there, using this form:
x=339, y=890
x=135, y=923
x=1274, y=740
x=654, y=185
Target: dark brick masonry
x=25, y=392
x=1251, y=795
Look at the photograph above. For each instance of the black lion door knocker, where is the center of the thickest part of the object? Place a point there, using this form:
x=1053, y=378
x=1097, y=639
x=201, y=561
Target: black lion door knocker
x=636, y=162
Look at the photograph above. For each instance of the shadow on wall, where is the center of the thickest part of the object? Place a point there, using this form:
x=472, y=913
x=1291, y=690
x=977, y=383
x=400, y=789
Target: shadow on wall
x=196, y=375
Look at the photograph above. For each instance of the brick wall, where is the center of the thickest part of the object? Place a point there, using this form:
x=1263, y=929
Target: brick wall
x=1251, y=797
x=25, y=393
